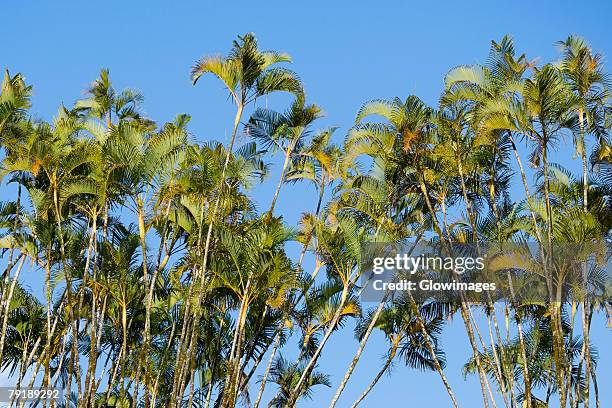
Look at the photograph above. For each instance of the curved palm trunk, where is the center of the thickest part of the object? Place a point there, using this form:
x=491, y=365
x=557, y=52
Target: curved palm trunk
x=472, y=218
x=432, y=352
x=557, y=330
x=281, y=180
x=7, y=303
x=585, y=323
x=504, y=366
x=523, y=349
x=282, y=323
x=91, y=366
x=357, y=356
x=262, y=387
x=295, y=392
x=239, y=111
x=465, y=316
x=74, y=367
x=378, y=376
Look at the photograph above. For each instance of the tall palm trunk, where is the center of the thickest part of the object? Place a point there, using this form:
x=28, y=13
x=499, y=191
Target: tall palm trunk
x=231, y=386
x=236, y=351
x=585, y=303
x=366, y=336
x=380, y=373
x=92, y=342
x=557, y=330
x=7, y=302
x=465, y=316
x=539, y=238
x=266, y=373
x=149, y=286
x=282, y=176
x=74, y=366
x=295, y=392
x=490, y=305
x=362, y=344
x=281, y=325
x=182, y=343
x=4, y=304
x=504, y=366
x=46, y=354
x=203, y=270
x=142, y=233
x=122, y=353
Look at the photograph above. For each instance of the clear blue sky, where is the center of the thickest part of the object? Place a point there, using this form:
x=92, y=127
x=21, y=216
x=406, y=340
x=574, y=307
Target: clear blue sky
x=346, y=53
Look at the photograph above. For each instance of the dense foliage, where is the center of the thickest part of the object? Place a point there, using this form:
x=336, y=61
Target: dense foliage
x=164, y=286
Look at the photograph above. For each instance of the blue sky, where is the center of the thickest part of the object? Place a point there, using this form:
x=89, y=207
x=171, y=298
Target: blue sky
x=346, y=53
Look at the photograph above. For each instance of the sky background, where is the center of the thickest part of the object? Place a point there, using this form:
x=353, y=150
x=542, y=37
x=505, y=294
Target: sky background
x=345, y=53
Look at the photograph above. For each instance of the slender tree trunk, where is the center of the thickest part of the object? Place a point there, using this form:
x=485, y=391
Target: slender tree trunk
x=596, y=389
x=585, y=303
x=145, y=275
x=162, y=364
x=526, y=376
x=74, y=366
x=179, y=361
x=585, y=172
x=281, y=180
x=7, y=304
x=282, y=177
x=362, y=344
x=264, y=379
x=500, y=239
x=123, y=351
x=384, y=368
x=92, y=342
x=496, y=359
x=240, y=108
x=295, y=392
x=464, y=314
x=587, y=352
x=96, y=384
x=558, y=338
x=490, y=305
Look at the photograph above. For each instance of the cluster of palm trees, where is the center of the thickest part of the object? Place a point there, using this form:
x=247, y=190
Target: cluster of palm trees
x=162, y=285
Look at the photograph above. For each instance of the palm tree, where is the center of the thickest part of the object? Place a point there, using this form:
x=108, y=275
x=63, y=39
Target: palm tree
x=254, y=251
x=399, y=146
x=283, y=131
x=403, y=329
x=248, y=74
x=378, y=204
x=165, y=285
x=286, y=375
x=584, y=72
x=14, y=102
